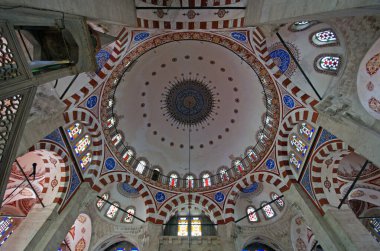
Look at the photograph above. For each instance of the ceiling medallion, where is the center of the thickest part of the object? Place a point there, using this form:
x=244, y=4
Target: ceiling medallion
x=189, y=102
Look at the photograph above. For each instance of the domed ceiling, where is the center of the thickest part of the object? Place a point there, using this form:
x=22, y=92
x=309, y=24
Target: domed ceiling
x=189, y=94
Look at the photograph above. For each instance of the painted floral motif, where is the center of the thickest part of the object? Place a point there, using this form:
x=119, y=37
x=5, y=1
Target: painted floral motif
x=374, y=197
x=221, y=13
x=374, y=104
x=370, y=86
x=357, y=193
x=299, y=221
x=82, y=219
x=54, y=183
x=191, y=14
x=80, y=246
x=327, y=184
x=373, y=64
x=300, y=245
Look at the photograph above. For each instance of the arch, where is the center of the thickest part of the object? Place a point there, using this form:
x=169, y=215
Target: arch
x=325, y=162
x=282, y=154
x=266, y=177
x=171, y=206
x=132, y=181
x=324, y=37
x=94, y=129
x=64, y=160
x=79, y=236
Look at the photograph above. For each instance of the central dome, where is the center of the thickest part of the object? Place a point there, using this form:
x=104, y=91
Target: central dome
x=189, y=102
x=178, y=81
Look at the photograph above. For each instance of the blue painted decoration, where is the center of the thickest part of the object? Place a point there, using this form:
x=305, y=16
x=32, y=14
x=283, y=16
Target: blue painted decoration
x=289, y=101
x=110, y=163
x=56, y=137
x=219, y=197
x=141, y=36
x=101, y=58
x=325, y=136
x=282, y=58
x=160, y=197
x=129, y=189
x=270, y=164
x=91, y=102
x=251, y=188
x=239, y=36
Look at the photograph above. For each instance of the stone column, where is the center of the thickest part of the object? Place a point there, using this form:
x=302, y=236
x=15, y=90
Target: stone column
x=338, y=230
x=227, y=235
x=44, y=228
x=152, y=236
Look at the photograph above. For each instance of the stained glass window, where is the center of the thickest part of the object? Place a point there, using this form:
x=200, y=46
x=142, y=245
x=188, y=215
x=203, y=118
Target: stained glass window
x=141, y=166
x=116, y=139
x=74, y=131
x=112, y=210
x=100, y=203
x=294, y=160
x=6, y=230
x=306, y=130
x=196, y=227
x=301, y=25
x=110, y=122
x=206, y=180
x=330, y=63
x=109, y=103
x=324, y=37
x=252, y=215
x=238, y=166
x=298, y=144
x=129, y=215
x=268, y=211
x=85, y=161
x=182, y=226
x=223, y=174
x=375, y=224
x=279, y=202
x=189, y=181
x=252, y=155
x=127, y=156
x=82, y=145
x=173, y=180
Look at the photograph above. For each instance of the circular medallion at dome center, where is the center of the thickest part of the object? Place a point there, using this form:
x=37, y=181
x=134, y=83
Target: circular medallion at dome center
x=189, y=102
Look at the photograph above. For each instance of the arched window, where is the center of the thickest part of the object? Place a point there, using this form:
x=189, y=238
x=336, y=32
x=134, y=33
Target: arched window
x=82, y=145
x=280, y=202
x=110, y=103
x=141, y=166
x=325, y=37
x=196, y=226
x=328, y=64
x=74, y=131
x=294, y=160
x=128, y=217
x=189, y=181
x=112, y=210
x=223, y=174
x=127, y=156
x=252, y=155
x=306, y=131
x=298, y=144
x=116, y=139
x=111, y=122
x=268, y=210
x=252, y=215
x=206, y=180
x=173, y=180
x=183, y=226
x=238, y=166
x=100, y=203
x=85, y=161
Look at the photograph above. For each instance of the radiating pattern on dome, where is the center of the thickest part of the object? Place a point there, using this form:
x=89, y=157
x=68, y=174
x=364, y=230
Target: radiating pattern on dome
x=189, y=102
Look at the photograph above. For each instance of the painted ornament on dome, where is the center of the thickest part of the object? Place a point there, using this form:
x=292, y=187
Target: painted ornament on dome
x=288, y=101
x=141, y=36
x=91, y=102
x=300, y=245
x=373, y=64
x=110, y=163
x=357, y=193
x=160, y=197
x=239, y=36
x=219, y=197
x=374, y=104
x=270, y=164
x=370, y=86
